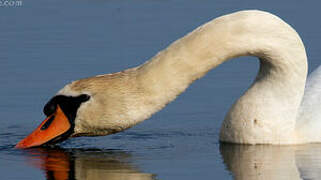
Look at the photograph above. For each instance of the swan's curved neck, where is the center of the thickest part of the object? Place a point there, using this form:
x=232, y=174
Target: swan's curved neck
x=266, y=113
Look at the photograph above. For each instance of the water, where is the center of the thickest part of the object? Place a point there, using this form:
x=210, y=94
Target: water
x=45, y=44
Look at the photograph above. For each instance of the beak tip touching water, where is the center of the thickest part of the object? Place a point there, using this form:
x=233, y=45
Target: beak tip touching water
x=21, y=145
x=53, y=127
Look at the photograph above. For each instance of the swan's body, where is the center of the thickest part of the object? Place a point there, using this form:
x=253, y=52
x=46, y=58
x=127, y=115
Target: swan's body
x=267, y=112
x=308, y=121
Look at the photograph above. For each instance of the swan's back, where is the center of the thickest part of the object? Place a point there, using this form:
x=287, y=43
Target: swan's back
x=309, y=117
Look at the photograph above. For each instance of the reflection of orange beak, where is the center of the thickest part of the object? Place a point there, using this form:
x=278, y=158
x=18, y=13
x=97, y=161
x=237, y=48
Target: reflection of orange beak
x=52, y=127
x=57, y=166
x=56, y=163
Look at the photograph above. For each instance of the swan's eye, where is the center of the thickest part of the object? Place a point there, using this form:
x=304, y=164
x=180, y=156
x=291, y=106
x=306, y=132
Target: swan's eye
x=83, y=98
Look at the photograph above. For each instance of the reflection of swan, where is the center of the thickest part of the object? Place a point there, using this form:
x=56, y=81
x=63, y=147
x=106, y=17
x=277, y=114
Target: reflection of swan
x=272, y=162
x=85, y=164
x=266, y=113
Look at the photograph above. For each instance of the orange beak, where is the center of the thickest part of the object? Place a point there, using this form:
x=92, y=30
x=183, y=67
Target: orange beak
x=51, y=128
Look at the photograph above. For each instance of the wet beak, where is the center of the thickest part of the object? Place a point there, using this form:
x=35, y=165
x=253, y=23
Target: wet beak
x=51, y=128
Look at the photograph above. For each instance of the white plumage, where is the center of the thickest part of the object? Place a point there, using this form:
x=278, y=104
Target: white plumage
x=268, y=112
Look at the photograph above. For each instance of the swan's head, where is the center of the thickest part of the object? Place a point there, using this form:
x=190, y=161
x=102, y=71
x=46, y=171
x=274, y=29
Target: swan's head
x=61, y=112
x=88, y=107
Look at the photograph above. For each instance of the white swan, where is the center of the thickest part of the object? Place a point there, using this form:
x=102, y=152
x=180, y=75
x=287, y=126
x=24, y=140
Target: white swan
x=267, y=113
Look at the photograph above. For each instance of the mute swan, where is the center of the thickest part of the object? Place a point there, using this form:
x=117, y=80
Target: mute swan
x=267, y=113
